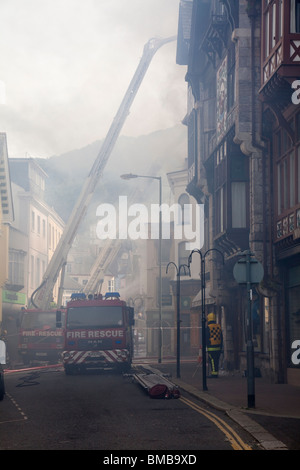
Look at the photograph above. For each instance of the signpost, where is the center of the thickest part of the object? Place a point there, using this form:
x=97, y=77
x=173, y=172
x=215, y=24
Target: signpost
x=249, y=271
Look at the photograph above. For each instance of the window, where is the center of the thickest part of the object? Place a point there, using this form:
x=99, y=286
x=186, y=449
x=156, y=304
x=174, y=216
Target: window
x=220, y=210
x=287, y=180
x=166, y=293
x=288, y=186
x=292, y=179
x=231, y=180
x=293, y=302
x=32, y=220
x=272, y=25
x=32, y=271
x=38, y=271
x=278, y=189
x=192, y=145
x=280, y=18
x=184, y=215
x=231, y=78
x=260, y=311
x=16, y=267
x=298, y=126
x=285, y=185
x=295, y=16
x=267, y=34
x=298, y=172
x=273, y=37
x=94, y=317
x=238, y=204
x=111, y=285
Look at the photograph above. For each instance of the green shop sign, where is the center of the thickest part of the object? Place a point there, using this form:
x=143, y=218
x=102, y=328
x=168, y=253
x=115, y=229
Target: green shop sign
x=11, y=297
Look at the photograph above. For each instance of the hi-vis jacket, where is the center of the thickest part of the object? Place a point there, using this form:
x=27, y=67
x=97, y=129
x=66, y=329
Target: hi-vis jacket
x=214, y=336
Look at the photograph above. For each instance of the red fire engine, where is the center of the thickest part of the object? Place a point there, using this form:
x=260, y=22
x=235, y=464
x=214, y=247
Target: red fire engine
x=39, y=339
x=97, y=333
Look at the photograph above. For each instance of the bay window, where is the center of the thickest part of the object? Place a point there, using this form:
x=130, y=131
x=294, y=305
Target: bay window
x=287, y=180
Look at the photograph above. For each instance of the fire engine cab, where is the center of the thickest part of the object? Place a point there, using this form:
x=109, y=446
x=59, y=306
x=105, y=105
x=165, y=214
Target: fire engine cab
x=97, y=333
x=39, y=339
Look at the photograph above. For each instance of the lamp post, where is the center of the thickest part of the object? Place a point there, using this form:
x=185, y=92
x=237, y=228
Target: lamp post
x=158, y=178
x=178, y=310
x=249, y=271
x=203, y=256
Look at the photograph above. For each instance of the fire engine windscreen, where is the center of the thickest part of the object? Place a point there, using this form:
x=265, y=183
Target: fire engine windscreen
x=94, y=317
x=38, y=320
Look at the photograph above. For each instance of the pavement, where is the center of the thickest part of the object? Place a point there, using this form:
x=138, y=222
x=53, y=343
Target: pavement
x=274, y=421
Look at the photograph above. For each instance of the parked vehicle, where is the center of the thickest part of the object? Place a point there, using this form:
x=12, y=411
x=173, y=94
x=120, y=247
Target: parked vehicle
x=39, y=339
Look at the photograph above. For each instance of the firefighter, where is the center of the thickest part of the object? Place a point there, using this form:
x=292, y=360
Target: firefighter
x=214, y=342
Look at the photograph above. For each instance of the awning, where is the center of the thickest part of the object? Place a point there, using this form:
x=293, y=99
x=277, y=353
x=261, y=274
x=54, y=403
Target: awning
x=197, y=301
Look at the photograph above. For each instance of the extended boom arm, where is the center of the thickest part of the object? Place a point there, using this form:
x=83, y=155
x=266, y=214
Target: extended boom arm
x=43, y=294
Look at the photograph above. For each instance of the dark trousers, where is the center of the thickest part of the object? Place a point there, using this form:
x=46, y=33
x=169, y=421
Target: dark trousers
x=214, y=357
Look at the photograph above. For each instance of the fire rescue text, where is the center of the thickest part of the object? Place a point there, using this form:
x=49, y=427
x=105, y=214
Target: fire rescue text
x=95, y=334
x=41, y=333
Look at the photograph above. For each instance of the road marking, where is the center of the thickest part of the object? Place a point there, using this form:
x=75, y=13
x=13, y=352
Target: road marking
x=235, y=440
x=24, y=417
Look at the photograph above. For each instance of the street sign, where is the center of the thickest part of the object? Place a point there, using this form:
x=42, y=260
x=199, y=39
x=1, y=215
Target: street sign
x=240, y=271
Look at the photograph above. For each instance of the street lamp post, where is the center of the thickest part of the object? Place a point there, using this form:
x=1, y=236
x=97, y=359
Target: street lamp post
x=249, y=271
x=158, y=178
x=203, y=256
x=178, y=310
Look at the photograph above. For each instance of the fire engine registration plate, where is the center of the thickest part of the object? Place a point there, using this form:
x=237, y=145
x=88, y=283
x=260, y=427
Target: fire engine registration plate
x=95, y=354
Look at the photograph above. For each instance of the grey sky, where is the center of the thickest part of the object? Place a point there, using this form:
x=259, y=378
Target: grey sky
x=66, y=65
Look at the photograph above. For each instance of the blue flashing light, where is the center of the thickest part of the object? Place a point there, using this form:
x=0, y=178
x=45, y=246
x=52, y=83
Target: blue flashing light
x=112, y=294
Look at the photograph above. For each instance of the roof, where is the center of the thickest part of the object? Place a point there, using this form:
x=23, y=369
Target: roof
x=5, y=186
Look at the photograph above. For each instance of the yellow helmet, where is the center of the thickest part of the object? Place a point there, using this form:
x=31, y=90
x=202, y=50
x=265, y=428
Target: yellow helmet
x=211, y=317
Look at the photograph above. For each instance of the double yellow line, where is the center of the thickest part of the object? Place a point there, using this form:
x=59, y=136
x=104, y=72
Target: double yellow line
x=236, y=442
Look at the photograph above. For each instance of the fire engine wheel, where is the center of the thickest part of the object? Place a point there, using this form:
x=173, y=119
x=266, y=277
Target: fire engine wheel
x=2, y=388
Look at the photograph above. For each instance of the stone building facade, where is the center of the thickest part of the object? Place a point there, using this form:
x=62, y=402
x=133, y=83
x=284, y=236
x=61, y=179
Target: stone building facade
x=241, y=58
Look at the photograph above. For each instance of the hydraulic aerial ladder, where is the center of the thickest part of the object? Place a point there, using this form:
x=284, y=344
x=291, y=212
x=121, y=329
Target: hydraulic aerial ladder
x=106, y=255
x=41, y=298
